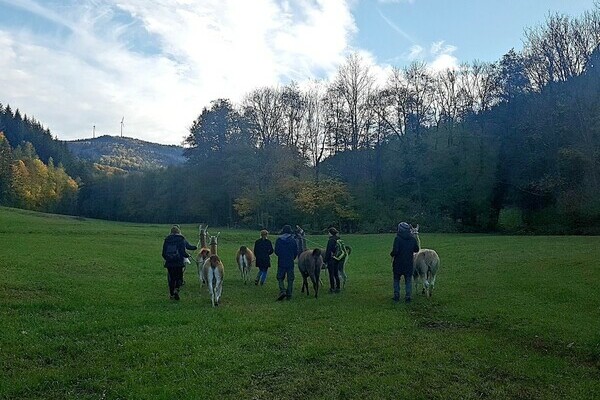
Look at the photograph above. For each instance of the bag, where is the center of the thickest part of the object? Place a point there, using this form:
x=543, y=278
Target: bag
x=341, y=250
x=172, y=252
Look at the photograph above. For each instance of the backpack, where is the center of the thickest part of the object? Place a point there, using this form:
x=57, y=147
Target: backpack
x=172, y=252
x=341, y=250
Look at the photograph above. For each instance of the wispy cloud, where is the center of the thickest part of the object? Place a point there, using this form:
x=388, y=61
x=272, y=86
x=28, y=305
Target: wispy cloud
x=395, y=27
x=158, y=62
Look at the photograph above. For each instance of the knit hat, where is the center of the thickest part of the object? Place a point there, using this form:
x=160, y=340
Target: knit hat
x=333, y=231
x=403, y=226
x=286, y=229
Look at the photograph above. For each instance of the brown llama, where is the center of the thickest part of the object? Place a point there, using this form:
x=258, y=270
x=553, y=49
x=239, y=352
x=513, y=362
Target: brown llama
x=245, y=258
x=310, y=263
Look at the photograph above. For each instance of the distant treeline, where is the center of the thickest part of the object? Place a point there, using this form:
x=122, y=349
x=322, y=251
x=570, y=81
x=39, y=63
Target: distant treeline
x=508, y=146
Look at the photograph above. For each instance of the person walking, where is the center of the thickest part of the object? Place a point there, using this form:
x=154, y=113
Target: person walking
x=263, y=248
x=286, y=251
x=174, y=253
x=405, y=246
x=332, y=263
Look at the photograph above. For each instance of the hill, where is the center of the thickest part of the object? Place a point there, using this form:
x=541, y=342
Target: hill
x=126, y=153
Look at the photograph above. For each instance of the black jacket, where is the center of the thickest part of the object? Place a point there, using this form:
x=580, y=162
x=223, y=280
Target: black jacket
x=330, y=250
x=405, y=245
x=181, y=244
x=263, y=248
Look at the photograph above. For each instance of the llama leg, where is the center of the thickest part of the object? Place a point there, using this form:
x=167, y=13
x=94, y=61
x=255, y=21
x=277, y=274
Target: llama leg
x=315, y=283
x=219, y=288
x=211, y=290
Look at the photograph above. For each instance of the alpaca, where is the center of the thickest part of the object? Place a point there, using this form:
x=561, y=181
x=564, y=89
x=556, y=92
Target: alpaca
x=203, y=255
x=426, y=265
x=203, y=252
x=310, y=263
x=245, y=258
x=212, y=273
x=342, y=267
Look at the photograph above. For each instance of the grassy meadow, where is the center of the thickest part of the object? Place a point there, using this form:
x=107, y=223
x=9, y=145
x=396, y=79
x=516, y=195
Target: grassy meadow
x=85, y=314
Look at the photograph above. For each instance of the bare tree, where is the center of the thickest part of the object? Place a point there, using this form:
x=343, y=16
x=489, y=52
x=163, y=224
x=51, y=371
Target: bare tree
x=354, y=83
x=264, y=111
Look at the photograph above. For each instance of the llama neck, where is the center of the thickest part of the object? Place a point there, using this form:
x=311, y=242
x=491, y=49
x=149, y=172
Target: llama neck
x=213, y=248
x=203, y=240
x=418, y=240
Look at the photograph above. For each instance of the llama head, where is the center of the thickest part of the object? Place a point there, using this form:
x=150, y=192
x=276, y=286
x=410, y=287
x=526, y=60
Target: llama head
x=414, y=230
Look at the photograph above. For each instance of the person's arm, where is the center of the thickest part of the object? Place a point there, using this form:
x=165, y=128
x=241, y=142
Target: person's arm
x=277, y=247
x=295, y=248
x=395, y=249
x=270, y=247
x=256, y=248
x=416, y=249
x=164, y=250
x=330, y=249
x=189, y=246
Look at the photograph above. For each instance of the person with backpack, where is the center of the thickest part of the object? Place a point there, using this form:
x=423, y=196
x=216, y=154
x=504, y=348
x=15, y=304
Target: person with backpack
x=263, y=248
x=405, y=246
x=286, y=251
x=333, y=257
x=174, y=253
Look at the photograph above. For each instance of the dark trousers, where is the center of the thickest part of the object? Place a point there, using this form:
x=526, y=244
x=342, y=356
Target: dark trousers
x=333, y=267
x=174, y=277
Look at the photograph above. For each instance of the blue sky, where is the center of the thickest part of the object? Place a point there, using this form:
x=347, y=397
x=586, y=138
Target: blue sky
x=78, y=63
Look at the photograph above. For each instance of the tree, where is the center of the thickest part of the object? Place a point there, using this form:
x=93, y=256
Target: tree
x=6, y=160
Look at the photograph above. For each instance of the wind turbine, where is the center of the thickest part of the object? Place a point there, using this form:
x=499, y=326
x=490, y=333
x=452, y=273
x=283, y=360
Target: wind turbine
x=94, y=132
x=122, y=119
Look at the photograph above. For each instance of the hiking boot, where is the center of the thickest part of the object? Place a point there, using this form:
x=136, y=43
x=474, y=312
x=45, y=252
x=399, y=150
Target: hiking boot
x=176, y=296
x=288, y=296
x=407, y=300
x=396, y=299
x=281, y=296
x=256, y=282
x=332, y=290
x=337, y=290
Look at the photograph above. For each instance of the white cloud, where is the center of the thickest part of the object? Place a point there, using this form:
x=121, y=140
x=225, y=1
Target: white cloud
x=207, y=49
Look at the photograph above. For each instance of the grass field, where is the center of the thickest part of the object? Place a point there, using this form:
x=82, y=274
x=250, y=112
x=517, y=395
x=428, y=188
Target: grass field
x=85, y=314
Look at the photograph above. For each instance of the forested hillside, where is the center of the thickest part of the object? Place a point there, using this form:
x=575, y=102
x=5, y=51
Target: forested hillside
x=126, y=153
x=511, y=146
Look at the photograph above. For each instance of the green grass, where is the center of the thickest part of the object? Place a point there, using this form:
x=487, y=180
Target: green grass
x=85, y=314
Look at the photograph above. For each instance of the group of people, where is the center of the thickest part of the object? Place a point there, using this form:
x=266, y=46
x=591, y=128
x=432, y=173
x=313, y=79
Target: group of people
x=288, y=246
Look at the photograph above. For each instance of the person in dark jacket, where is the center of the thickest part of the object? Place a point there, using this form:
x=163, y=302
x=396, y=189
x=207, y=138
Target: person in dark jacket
x=332, y=264
x=263, y=248
x=405, y=246
x=286, y=251
x=299, y=237
x=174, y=252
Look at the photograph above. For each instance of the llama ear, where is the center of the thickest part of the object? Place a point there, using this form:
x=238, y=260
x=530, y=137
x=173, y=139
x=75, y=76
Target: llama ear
x=417, y=228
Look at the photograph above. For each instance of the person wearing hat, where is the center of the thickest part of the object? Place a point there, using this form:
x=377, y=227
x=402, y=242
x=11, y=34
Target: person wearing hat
x=405, y=246
x=263, y=248
x=174, y=253
x=286, y=251
x=332, y=263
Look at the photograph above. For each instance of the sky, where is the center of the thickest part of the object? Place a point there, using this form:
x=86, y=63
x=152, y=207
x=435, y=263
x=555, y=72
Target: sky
x=76, y=64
